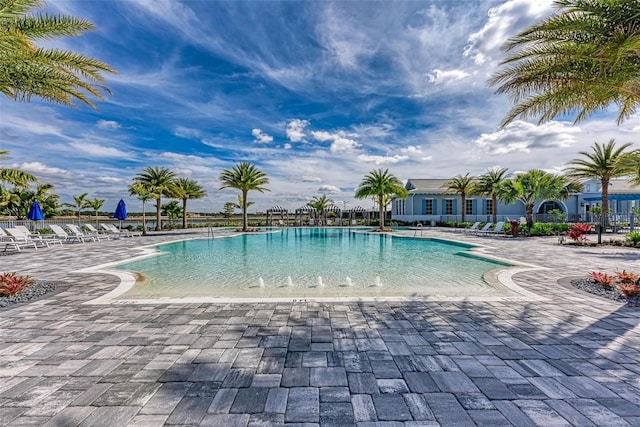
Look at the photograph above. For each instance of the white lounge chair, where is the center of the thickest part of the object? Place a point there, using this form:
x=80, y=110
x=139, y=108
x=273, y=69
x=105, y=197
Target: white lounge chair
x=15, y=242
x=43, y=239
x=111, y=229
x=62, y=235
x=77, y=231
x=498, y=229
x=486, y=227
x=473, y=228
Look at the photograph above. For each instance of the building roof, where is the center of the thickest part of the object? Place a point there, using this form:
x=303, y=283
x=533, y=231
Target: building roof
x=620, y=186
x=428, y=186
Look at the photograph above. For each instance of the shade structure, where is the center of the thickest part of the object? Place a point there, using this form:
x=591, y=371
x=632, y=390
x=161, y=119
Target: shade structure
x=121, y=212
x=35, y=212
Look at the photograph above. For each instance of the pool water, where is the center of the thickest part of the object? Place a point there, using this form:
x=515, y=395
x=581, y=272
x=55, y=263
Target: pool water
x=313, y=262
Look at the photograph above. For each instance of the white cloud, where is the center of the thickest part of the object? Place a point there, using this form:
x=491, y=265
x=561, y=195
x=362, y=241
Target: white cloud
x=446, y=76
x=505, y=21
x=97, y=150
x=107, y=124
x=287, y=146
x=38, y=169
x=261, y=136
x=110, y=180
x=295, y=130
x=188, y=133
x=343, y=144
x=323, y=136
x=310, y=179
x=526, y=137
x=332, y=189
x=379, y=160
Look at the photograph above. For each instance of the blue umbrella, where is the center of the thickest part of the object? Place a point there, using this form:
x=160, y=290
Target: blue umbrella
x=121, y=212
x=35, y=212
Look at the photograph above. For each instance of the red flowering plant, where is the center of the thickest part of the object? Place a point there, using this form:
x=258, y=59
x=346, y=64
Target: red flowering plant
x=603, y=279
x=11, y=284
x=629, y=289
x=625, y=277
x=577, y=232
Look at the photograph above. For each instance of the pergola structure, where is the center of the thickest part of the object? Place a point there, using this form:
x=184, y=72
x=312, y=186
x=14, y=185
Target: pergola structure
x=332, y=208
x=283, y=213
x=302, y=211
x=358, y=211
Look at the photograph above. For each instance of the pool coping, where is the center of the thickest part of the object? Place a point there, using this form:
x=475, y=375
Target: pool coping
x=503, y=276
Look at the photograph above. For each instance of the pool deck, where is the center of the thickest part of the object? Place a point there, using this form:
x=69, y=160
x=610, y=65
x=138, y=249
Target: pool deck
x=568, y=358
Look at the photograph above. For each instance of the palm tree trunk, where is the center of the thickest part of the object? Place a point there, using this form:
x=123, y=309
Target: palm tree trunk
x=158, y=214
x=245, y=219
x=529, y=218
x=144, y=221
x=464, y=199
x=184, y=213
x=604, y=218
x=494, y=200
x=381, y=203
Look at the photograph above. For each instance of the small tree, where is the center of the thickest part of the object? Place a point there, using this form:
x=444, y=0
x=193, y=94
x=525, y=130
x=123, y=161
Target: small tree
x=463, y=186
x=95, y=204
x=143, y=194
x=382, y=185
x=172, y=210
x=319, y=204
x=244, y=177
x=79, y=202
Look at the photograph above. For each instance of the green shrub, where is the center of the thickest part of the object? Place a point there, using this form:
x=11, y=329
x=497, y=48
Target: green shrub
x=549, y=228
x=634, y=237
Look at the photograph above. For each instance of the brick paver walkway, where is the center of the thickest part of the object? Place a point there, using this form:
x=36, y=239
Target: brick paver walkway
x=572, y=359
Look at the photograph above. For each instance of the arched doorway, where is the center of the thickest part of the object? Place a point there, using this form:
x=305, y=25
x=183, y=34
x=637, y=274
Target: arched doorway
x=552, y=206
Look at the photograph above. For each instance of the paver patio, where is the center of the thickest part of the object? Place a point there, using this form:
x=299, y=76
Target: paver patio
x=572, y=359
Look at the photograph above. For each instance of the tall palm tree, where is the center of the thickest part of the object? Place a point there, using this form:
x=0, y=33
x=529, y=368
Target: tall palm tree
x=490, y=184
x=95, y=204
x=581, y=59
x=55, y=75
x=534, y=186
x=462, y=185
x=79, y=202
x=245, y=177
x=320, y=203
x=604, y=163
x=137, y=189
x=382, y=185
x=185, y=189
x=158, y=181
x=14, y=176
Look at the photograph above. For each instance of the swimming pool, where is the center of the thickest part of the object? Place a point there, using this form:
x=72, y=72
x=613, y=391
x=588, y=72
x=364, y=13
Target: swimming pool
x=313, y=262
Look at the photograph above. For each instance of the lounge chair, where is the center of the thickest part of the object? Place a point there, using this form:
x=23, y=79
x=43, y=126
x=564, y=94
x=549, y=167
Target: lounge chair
x=486, y=227
x=43, y=239
x=473, y=228
x=498, y=229
x=64, y=236
x=111, y=229
x=14, y=241
x=77, y=231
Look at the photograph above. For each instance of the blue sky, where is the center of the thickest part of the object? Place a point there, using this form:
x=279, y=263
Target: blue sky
x=316, y=94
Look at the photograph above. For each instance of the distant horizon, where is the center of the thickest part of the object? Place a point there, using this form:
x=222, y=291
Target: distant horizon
x=315, y=94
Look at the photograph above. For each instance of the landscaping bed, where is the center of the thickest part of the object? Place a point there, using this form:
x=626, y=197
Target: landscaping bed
x=32, y=291
x=610, y=292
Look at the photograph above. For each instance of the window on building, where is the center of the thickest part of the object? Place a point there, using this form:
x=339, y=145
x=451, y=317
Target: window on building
x=448, y=207
x=587, y=188
x=468, y=207
x=489, y=207
x=428, y=206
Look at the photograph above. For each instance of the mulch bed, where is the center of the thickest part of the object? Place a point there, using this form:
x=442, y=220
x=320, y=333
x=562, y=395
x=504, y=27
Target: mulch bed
x=612, y=293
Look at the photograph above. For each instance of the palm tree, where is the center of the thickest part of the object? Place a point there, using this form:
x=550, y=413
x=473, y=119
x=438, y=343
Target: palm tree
x=581, y=59
x=245, y=177
x=55, y=75
x=383, y=185
x=536, y=185
x=490, y=184
x=319, y=204
x=95, y=204
x=604, y=163
x=462, y=185
x=157, y=181
x=14, y=176
x=138, y=190
x=79, y=202
x=49, y=202
x=185, y=189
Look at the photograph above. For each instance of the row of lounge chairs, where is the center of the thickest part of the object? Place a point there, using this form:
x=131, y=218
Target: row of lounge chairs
x=487, y=230
x=19, y=237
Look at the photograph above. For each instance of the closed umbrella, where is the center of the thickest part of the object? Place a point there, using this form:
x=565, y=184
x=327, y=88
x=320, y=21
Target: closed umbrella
x=121, y=212
x=35, y=213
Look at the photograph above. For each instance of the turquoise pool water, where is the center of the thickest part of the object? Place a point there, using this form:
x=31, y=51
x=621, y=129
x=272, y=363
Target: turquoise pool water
x=313, y=262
